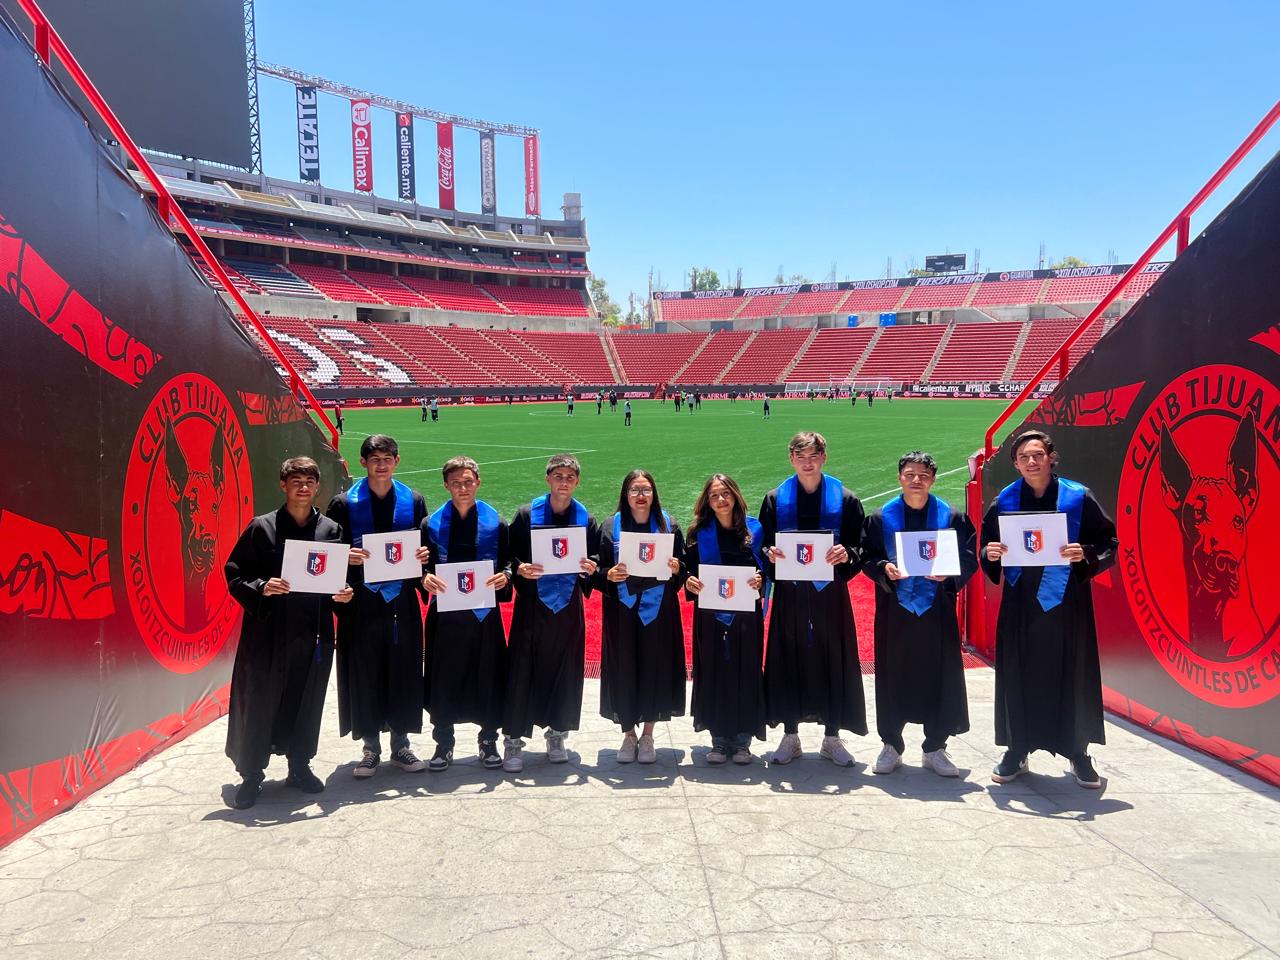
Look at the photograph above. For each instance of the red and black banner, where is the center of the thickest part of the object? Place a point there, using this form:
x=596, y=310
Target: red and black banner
x=361, y=146
x=532, y=186
x=444, y=165
x=488, y=174
x=147, y=429
x=308, y=104
x=1173, y=421
x=405, y=177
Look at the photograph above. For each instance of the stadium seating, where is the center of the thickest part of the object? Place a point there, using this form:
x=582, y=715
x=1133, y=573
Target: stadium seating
x=655, y=357
x=481, y=350
x=274, y=279
x=581, y=354
x=1078, y=289
x=1139, y=285
x=539, y=301
x=767, y=356
x=902, y=353
x=334, y=284
x=314, y=348
x=873, y=299
x=370, y=346
x=813, y=304
x=389, y=289
x=437, y=351
x=453, y=294
x=1007, y=291
x=715, y=356
x=766, y=305
x=240, y=282
x=832, y=354
x=936, y=296
x=546, y=370
x=977, y=351
x=711, y=308
x=1046, y=337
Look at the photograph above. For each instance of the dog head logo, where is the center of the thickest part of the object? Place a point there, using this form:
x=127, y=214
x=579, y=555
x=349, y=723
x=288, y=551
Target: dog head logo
x=317, y=562
x=928, y=549
x=726, y=588
x=1033, y=540
x=648, y=550
x=394, y=551
x=466, y=581
x=1195, y=497
x=559, y=547
x=188, y=493
x=804, y=553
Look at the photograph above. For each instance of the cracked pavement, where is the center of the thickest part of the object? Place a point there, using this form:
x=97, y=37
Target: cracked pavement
x=1178, y=856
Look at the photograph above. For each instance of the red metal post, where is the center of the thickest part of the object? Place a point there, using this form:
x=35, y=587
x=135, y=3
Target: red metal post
x=1184, y=234
x=42, y=41
x=166, y=205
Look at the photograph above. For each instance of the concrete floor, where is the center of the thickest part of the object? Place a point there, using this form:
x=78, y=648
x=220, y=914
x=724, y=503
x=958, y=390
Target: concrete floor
x=1179, y=856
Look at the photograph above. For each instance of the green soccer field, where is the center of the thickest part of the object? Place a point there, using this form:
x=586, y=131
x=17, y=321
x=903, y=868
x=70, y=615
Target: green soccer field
x=512, y=444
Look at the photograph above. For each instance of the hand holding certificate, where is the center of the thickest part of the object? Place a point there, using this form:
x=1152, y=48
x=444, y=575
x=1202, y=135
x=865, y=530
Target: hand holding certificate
x=726, y=588
x=391, y=556
x=804, y=555
x=558, y=549
x=465, y=586
x=647, y=554
x=928, y=553
x=315, y=567
x=1034, y=539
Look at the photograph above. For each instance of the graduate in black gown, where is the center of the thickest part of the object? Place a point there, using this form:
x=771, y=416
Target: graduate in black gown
x=380, y=633
x=466, y=663
x=285, y=653
x=642, y=669
x=548, y=628
x=728, y=646
x=919, y=670
x=811, y=668
x=1048, y=681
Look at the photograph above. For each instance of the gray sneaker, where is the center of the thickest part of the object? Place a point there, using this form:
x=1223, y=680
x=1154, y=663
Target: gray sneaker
x=556, y=753
x=645, y=752
x=788, y=749
x=888, y=761
x=627, y=752
x=512, y=761
x=833, y=749
x=940, y=763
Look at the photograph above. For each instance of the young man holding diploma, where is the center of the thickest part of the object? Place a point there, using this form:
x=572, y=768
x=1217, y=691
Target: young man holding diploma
x=811, y=669
x=919, y=672
x=282, y=663
x=380, y=634
x=548, y=629
x=466, y=663
x=1048, y=681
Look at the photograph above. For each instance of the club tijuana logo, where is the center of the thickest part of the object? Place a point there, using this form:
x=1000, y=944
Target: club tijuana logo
x=559, y=547
x=317, y=562
x=188, y=493
x=394, y=551
x=1033, y=540
x=648, y=551
x=726, y=588
x=928, y=549
x=1200, y=485
x=804, y=553
x=466, y=581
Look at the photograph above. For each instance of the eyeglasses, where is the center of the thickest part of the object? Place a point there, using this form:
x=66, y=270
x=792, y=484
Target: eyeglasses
x=640, y=492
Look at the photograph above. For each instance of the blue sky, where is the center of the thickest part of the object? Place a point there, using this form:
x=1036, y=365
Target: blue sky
x=754, y=135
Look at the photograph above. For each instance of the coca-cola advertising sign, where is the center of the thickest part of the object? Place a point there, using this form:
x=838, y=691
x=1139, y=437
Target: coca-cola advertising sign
x=361, y=146
x=532, y=188
x=488, y=175
x=444, y=165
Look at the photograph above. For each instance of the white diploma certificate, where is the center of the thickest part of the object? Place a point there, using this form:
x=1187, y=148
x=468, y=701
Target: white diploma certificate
x=804, y=555
x=929, y=553
x=391, y=556
x=646, y=554
x=725, y=588
x=312, y=567
x=559, y=549
x=1034, y=539
x=465, y=583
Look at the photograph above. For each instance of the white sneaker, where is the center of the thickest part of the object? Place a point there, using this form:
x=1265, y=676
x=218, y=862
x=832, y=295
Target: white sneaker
x=888, y=761
x=833, y=749
x=788, y=749
x=645, y=752
x=940, y=763
x=627, y=752
x=556, y=753
x=512, y=761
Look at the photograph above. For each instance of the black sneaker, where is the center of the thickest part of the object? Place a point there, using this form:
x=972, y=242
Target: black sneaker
x=490, y=759
x=440, y=761
x=1086, y=776
x=302, y=778
x=1010, y=768
x=247, y=793
x=406, y=760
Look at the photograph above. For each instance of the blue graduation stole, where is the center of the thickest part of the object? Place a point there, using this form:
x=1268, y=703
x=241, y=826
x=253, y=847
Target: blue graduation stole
x=555, y=590
x=487, y=521
x=914, y=593
x=832, y=509
x=651, y=599
x=1053, y=580
x=709, y=552
x=361, y=511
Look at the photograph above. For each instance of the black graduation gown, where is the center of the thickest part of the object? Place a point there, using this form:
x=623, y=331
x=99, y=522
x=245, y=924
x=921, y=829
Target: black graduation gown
x=728, y=682
x=811, y=668
x=642, y=671
x=379, y=643
x=546, y=650
x=466, y=670
x=282, y=663
x=919, y=670
x=1048, y=681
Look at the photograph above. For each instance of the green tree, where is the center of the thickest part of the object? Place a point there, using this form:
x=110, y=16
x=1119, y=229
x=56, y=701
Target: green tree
x=705, y=279
x=918, y=272
x=600, y=294
x=1068, y=262
x=798, y=278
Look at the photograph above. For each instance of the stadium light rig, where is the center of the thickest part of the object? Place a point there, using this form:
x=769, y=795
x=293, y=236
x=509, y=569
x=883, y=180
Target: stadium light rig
x=298, y=78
